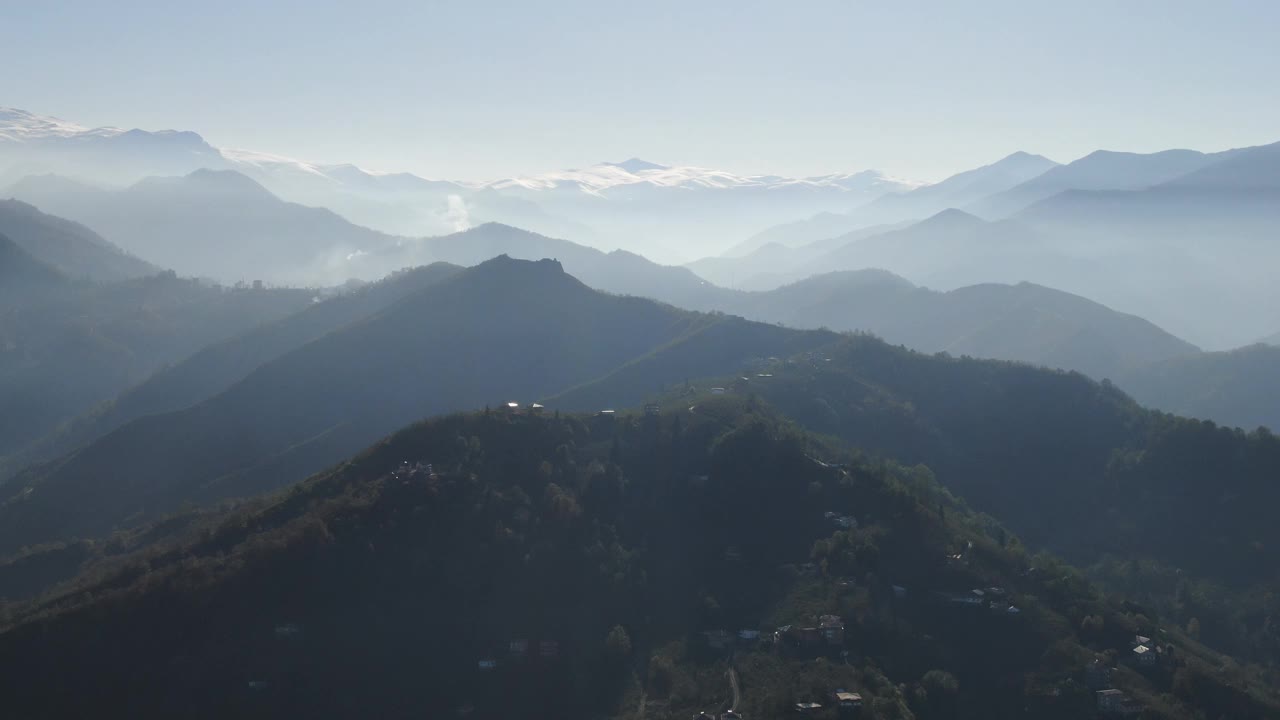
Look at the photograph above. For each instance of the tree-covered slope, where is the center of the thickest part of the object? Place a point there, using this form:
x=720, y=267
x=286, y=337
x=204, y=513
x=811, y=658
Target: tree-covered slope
x=84, y=343
x=593, y=563
x=218, y=366
x=503, y=331
x=22, y=277
x=1239, y=388
x=1070, y=464
x=69, y=247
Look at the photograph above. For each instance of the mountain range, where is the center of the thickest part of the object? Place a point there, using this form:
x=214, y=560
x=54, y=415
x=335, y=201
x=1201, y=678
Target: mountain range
x=1014, y=440
x=217, y=224
x=956, y=191
x=527, y=329
x=666, y=212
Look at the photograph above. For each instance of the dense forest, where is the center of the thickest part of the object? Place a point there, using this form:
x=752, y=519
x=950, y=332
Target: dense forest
x=1070, y=464
x=684, y=561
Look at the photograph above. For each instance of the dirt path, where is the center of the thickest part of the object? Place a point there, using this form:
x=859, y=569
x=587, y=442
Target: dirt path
x=737, y=692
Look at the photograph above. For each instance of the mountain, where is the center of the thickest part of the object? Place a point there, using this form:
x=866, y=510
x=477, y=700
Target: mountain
x=1271, y=340
x=1161, y=504
x=1248, y=169
x=1240, y=388
x=1023, y=322
x=956, y=191
x=672, y=213
x=71, y=248
x=619, y=272
x=218, y=224
x=489, y=564
x=527, y=330
x=22, y=277
x=218, y=366
x=1197, y=248
x=33, y=144
x=775, y=264
x=81, y=344
x=1099, y=170
x=952, y=249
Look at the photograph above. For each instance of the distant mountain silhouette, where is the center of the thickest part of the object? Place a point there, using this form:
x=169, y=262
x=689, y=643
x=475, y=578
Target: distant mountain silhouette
x=618, y=272
x=1023, y=322
x=221, y=364
x=1249, y=169
x=1271, y=339
x=218, y=224
x=775, y=264
x=81, y=344
x=956, y=191
x=71, y=248
x=1239, y=388
x=1100, y=170
x=32, y=144
x=1198, y=250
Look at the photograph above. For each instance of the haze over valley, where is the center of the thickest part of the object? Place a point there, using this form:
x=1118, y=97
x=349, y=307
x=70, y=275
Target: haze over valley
x=731, y=362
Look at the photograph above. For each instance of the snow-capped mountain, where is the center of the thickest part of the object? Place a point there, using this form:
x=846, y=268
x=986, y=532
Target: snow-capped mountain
x=598, y=179
x=20, y=126
x=671, y=212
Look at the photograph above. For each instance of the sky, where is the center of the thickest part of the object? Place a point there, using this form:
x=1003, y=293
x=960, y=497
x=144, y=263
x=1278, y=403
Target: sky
x=476, y=90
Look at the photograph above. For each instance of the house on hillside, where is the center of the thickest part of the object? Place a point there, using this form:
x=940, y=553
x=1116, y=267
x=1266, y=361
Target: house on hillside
x=847, y=700
x=717, y=391
x=1145, y=656
x=488, y=664
x=808, y=708
x=518, y=648
x=749, y=636
x=513, y=407
x=536, y=409
x=549, y=649
x=652, y=410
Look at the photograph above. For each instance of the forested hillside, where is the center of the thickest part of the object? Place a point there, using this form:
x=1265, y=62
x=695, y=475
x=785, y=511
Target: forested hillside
x=69, y=247
x=221, y=364
x=63, y=352
x=1068, y=463
x=503, y=331
x=22, y=277
x=687, y=561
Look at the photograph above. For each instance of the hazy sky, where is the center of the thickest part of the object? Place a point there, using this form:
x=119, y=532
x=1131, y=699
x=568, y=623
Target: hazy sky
x=474, y=90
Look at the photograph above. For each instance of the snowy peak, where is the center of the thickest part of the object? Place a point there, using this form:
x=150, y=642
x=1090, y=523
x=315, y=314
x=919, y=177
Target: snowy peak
x=22, y=126
x=635, y=165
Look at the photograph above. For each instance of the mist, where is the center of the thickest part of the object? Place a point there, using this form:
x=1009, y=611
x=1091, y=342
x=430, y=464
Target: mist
x=595, y=362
